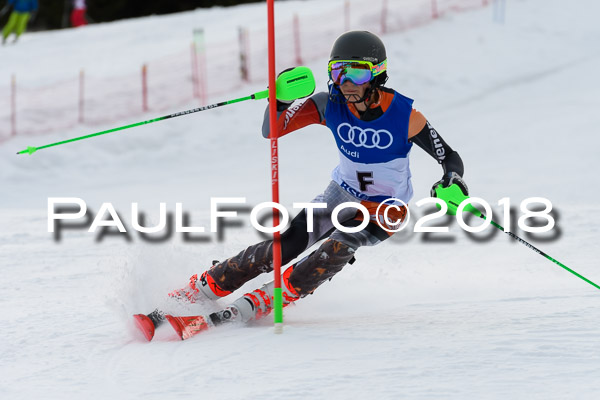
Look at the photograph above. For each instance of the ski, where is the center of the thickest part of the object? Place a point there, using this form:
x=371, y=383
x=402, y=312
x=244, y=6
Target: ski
x=189, y=326
x=147, y=324
x=185, y=326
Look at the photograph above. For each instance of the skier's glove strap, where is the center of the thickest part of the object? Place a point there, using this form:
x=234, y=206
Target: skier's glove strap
x=283, y=105
x=451, y=178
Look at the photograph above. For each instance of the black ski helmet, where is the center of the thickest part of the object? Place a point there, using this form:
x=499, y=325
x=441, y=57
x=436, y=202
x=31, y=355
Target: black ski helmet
x=363, y=46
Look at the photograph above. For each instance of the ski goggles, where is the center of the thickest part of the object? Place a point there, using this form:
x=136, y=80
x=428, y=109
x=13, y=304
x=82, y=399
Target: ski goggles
x=357, y=72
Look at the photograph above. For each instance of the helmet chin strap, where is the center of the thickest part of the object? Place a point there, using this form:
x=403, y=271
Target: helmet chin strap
x=355, y=98
x=366, y=97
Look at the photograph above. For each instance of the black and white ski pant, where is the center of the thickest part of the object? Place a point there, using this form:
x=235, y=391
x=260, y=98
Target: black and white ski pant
x=322, y=264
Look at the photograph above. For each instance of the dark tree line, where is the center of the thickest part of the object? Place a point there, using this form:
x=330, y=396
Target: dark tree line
x=54, y=14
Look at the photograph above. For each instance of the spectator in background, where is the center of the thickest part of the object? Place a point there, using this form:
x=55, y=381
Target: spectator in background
x=17, y=22
x=78, y=13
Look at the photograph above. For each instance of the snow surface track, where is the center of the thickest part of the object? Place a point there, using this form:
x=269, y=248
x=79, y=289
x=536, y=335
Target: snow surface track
x=410, y=319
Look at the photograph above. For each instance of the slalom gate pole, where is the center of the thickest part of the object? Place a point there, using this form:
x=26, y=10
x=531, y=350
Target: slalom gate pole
x=453, y=197
x=256, y=96
x=277, y=294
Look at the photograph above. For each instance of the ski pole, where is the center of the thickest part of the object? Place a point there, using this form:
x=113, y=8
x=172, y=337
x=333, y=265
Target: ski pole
x=31, y=149
x=453, y=196
x=290, y=85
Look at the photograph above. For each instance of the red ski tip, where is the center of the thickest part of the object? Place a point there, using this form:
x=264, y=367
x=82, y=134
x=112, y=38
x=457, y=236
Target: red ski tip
x=186, y=327
x=176, y=324
x=145, y=325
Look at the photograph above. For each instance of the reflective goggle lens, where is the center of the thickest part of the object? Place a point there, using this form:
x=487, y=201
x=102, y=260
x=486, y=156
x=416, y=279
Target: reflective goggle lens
x=357, y=73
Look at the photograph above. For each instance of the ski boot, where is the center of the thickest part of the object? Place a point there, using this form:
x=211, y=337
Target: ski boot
x=251, y=306
x=198, y=290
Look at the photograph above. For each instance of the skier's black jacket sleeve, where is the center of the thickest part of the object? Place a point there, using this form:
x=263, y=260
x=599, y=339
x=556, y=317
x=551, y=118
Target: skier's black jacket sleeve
x=430, y=140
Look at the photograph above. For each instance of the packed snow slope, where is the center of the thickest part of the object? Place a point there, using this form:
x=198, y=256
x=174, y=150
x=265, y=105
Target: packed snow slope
x=417, y=317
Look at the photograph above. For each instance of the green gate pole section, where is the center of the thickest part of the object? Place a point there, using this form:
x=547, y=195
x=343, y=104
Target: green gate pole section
x=278, y=305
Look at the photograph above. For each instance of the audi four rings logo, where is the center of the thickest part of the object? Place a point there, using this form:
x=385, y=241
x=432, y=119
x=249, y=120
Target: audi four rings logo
x=368, y=138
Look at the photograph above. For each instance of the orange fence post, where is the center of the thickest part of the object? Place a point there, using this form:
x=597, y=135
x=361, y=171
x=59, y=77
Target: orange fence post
x=195, y=80
x=13, y=105
x=144, y=88
x=81, y=95
x=297, y=48
x=201, y=54
x=384, y=11
x=347, y=16
x=243, y=43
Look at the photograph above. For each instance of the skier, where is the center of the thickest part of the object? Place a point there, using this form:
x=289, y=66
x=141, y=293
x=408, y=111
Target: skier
x=374, y=128
x=17, y=22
